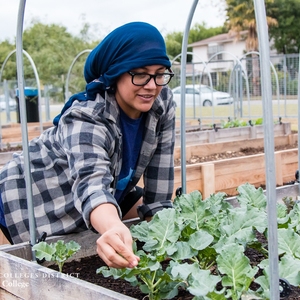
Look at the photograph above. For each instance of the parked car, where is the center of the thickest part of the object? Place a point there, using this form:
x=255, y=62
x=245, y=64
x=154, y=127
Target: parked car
x=12, y=103
x=202, y=95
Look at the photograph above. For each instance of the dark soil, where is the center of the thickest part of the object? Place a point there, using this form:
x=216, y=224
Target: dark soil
x=86, y=270
x=232, y=154
x=9, y=148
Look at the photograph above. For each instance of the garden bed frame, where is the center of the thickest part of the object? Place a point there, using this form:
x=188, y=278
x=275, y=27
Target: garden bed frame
x=227, y=174
x=39, y=282
x=232, y=134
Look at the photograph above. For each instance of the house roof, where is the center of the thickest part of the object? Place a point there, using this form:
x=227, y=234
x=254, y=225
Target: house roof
x=219, y=39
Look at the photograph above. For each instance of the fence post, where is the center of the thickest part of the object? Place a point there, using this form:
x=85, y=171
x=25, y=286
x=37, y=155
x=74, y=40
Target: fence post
x=208, y=179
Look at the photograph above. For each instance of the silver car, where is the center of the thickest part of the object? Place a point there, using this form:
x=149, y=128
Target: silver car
x=202, y=95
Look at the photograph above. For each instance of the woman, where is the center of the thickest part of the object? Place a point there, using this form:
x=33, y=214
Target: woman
x=85, y=169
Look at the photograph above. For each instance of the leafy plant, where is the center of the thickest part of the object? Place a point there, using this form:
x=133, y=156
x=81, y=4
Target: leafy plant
x=200, y=246
x=233, y=123
x=58, y=252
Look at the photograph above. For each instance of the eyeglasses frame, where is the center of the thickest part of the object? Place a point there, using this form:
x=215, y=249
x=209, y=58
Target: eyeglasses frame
x=171, y=74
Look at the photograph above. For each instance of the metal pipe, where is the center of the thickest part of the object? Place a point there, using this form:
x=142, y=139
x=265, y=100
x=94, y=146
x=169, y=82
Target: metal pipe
x=36, y=77
x=298, y=128
x=23, y=118
x=69, y=72
x=183, y=83
x=266, y=84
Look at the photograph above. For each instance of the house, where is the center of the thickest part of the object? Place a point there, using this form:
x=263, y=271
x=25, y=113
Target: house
x=224, y=46
x=218, y=55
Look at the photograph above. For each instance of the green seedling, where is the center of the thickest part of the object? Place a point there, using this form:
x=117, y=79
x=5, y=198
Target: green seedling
x=57, y=252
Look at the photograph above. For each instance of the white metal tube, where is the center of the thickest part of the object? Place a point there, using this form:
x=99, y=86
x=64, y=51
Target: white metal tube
x=23, y=118
x=266, y=89
x=182, y=106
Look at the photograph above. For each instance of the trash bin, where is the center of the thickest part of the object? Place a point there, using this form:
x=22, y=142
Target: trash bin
x=32, y=104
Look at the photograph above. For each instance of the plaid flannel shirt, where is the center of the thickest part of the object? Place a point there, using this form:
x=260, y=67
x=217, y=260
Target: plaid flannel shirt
x=75, y=167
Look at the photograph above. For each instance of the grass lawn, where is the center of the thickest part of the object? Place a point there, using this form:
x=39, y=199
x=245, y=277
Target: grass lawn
x=211, y=115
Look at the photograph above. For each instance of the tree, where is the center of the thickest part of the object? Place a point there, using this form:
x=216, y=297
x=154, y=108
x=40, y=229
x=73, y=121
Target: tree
x=52, y=50
x=240, y=17
x=197, y=33
x=9, y=70
x=286, y=34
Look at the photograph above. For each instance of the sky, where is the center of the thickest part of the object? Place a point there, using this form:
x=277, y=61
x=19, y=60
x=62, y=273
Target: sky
x=105, y=15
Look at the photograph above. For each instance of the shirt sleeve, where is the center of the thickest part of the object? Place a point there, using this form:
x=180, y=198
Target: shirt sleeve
x=89, y=147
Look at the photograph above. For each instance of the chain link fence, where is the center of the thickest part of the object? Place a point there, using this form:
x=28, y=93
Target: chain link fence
x=241, y=79
x=238, y=77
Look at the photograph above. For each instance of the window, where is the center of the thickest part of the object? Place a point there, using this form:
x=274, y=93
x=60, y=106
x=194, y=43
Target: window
x=213, y=49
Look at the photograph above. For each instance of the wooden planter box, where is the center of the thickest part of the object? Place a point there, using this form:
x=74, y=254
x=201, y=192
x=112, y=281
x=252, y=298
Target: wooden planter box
x=232, y=134
x=206, y=149
x=227, y=174
x=24, y=279
x=21, y=278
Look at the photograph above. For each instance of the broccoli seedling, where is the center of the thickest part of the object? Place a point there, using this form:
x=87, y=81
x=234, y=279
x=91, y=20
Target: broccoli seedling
x=57, y=252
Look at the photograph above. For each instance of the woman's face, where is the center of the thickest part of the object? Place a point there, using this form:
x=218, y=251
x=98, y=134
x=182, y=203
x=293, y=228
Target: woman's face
x=137, y=99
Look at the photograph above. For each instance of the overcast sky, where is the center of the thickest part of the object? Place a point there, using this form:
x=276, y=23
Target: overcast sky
x=105, y=15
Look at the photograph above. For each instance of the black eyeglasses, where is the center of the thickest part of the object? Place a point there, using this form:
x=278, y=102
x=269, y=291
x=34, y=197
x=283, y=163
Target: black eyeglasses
x=141, y=79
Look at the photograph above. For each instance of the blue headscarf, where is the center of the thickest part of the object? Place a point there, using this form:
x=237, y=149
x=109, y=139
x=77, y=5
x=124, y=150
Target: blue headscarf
x=128, y=47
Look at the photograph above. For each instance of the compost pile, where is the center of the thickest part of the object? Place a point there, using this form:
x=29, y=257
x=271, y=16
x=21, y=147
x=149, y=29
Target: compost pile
x=231, y=154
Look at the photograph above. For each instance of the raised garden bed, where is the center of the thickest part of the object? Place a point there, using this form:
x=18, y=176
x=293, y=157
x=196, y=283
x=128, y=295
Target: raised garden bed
x=231, y=168
x=231, y=134
x=23, y=279
x=227, y=174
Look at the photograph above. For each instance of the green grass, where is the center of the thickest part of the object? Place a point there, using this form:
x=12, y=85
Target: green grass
x=211, y=115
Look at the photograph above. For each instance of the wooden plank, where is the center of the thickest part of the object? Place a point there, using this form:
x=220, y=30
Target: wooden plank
x=208, y=182
x=278, y=168
x=4, y=295
x=230, y=173
x=206, y=149
x=239, y=165
x=3, y=239
x=288, y=156
x=232, y=181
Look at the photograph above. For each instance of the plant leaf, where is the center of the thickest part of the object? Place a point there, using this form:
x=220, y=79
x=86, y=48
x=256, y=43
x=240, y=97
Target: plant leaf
x=193, y=210
x=295, y=217
x=182, y=271
x=289, y=269
x=163, y=232
x=44, y=251
x=249, y=195
x=288, y=242
x=200, y=240
x=201, y=282
x=236, y=268
x=241, y=222
x=183, y=251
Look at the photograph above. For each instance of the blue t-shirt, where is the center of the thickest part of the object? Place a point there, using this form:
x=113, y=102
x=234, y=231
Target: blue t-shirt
x=132, y=136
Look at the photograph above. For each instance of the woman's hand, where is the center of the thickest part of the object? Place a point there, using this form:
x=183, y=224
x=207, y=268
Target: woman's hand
x=115, y=243
x=115, y=247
